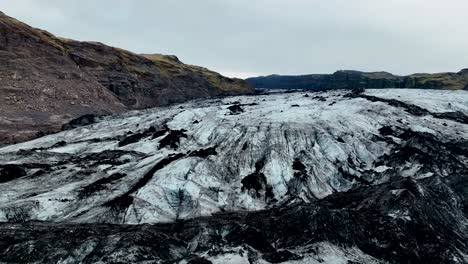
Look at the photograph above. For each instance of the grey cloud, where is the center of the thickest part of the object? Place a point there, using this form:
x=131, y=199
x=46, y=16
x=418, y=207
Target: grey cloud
x=248, y=37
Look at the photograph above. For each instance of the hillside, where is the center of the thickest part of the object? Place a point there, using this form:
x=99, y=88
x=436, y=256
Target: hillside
x=326, y=177
x=46, y=81
x=357, y=79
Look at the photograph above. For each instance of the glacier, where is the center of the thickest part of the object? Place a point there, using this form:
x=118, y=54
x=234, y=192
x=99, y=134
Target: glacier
x=246, y=164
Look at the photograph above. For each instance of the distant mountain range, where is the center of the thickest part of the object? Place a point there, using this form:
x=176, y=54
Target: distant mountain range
x=356, y=79
x=45, y=81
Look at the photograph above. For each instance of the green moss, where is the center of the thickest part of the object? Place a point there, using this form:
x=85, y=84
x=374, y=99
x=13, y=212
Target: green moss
x=40, y=35
x=168, y=65
x=380, y=75
x=451, y=81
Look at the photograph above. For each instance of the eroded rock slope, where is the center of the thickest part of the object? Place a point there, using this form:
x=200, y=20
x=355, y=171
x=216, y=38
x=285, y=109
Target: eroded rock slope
x=45, y=81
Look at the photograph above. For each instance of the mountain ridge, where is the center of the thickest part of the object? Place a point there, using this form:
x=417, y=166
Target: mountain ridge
x=350, y=79
x=47, y=81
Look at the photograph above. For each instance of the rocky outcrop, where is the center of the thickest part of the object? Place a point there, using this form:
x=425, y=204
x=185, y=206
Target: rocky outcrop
x=142, y=81
x=83, y=120
x=46, y=81
x=41, y=87
x=357, y=79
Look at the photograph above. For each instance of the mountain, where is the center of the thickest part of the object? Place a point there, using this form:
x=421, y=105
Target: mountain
x=324, y=177
x=357, y=79
x=46, y=81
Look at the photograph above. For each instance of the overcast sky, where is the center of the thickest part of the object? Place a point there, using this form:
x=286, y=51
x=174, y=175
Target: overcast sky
x=257, y=37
